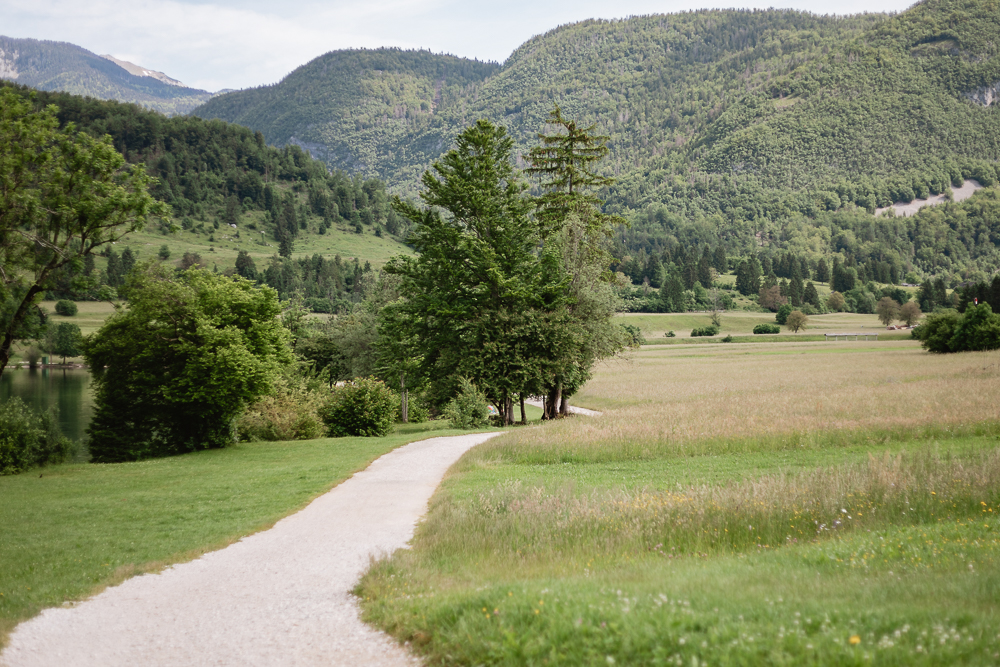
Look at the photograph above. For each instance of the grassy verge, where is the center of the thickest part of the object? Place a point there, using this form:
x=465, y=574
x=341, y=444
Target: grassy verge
x=789, y=505
x=68, y=531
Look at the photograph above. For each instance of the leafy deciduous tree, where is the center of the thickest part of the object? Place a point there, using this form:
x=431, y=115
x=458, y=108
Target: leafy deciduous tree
x=175, y=367
x=63, y=195
x=887, y=310
x=796, y=321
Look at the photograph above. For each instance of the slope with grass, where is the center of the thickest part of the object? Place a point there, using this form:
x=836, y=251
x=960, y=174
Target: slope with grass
x=790, y=504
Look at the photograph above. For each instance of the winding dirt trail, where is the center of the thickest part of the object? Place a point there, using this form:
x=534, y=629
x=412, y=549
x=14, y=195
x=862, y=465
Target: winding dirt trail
x=278, y=597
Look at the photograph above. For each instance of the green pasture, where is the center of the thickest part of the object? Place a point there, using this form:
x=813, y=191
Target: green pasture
x=225, y=245
x=862, y=529
x=71, y=530
x=741, y=323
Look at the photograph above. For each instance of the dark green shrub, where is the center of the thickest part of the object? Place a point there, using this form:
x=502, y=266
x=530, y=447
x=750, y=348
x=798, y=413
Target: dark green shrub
x=28, y=439
x=782, y=315
x=66, y=308
x=469, y=409
x=364, y=407
x=767, y=329
x=710, y=330
x=669, y=334
x=727, y=339
x=949, y=331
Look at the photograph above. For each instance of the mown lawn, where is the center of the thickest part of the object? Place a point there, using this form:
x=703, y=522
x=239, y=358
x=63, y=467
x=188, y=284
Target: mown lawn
x=790, y=504
x=68, y=531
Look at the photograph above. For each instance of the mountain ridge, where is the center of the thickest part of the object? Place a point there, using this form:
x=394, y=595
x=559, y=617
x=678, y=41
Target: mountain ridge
x=65, y=67
x=779, y=110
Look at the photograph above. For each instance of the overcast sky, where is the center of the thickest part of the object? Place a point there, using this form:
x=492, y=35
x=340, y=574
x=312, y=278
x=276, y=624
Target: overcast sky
x=244, y=43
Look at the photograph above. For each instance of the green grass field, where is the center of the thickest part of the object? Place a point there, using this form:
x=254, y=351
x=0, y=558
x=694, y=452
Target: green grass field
x=795, y=504
x=741, y=323
x=220, y=247
x=71, y=530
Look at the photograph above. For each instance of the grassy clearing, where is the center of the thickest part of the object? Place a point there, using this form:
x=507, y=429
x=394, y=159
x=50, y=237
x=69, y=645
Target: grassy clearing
x=741, y=323
x=222, y=250
x=71, y=530
x=793, y=504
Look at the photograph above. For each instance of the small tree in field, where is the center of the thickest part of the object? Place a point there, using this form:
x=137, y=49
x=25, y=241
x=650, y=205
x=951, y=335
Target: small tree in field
x=910, y=313
x=67, y=341
x=796, y=321
x=887, y=310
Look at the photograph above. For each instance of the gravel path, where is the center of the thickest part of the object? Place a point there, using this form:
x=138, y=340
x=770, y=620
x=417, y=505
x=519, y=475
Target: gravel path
x=575, y=410
x=279, y=597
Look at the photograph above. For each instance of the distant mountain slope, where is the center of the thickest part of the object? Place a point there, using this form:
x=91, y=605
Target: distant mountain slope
x=750, y=116
x=139, y=70
x=371, y=111
x=59, y=66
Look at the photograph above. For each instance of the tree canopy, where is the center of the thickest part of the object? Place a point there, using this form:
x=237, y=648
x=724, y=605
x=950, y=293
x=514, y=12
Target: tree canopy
x=63, y=195
x=174, y=367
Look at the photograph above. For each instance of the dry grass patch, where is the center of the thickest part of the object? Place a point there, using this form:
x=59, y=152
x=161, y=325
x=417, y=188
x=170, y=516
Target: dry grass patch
x=668, y=402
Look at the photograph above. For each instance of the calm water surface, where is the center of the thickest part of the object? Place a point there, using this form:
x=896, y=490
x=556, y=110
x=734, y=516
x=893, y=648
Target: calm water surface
x=68, y=390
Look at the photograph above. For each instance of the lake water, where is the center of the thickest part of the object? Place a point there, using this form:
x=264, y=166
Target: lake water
x=66, y=389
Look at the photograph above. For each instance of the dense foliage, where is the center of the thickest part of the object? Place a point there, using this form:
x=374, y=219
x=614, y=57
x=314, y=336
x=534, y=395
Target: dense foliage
x=174, y=368
x=978, y=328
x=29, y=439
x=365, y=407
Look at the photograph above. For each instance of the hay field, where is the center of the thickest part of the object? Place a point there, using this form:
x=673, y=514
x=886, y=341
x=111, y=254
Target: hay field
x=793, y=504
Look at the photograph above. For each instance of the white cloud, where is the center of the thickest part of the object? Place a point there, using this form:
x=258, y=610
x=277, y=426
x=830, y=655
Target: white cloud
x=237, y=44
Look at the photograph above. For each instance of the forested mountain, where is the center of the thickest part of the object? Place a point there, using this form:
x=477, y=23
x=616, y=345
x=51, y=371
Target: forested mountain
x=766, y=130
x=229, y=190
x=58, y=66
x=749, y=114
x=378, y=112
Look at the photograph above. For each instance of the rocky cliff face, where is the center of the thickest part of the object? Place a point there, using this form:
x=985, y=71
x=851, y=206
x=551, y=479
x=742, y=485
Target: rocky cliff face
x=138, y=70
x=986, y=95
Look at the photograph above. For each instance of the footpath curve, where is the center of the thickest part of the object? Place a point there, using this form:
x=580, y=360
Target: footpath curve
x=278, y=597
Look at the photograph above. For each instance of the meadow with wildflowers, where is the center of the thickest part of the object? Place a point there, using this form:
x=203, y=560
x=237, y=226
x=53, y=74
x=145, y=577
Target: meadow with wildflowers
x=814, y=503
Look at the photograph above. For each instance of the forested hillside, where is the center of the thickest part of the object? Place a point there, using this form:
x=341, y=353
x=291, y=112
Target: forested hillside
x=751, y=115
x=58, y=66
x=239, y=199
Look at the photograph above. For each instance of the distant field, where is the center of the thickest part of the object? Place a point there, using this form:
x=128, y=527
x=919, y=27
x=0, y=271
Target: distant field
x=789, y=504
x=223, y=250
x=738, y=323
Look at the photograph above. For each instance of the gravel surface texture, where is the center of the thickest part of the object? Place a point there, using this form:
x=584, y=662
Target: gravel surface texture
x=278, y=597
x=537, y=402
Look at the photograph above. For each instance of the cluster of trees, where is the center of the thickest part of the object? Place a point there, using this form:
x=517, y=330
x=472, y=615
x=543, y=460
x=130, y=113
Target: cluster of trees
x=212, y=172
x=509, y=292
x=978, y=328
x=323, y=285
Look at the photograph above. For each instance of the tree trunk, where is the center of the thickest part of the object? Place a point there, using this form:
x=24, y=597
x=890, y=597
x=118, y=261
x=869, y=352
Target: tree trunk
x=553, y=401
x=17, y=320
x=524, y=416
x=564, y=406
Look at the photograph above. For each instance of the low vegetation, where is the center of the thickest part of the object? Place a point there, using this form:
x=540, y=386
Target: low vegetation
x=75, y=528
x=726, y=508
